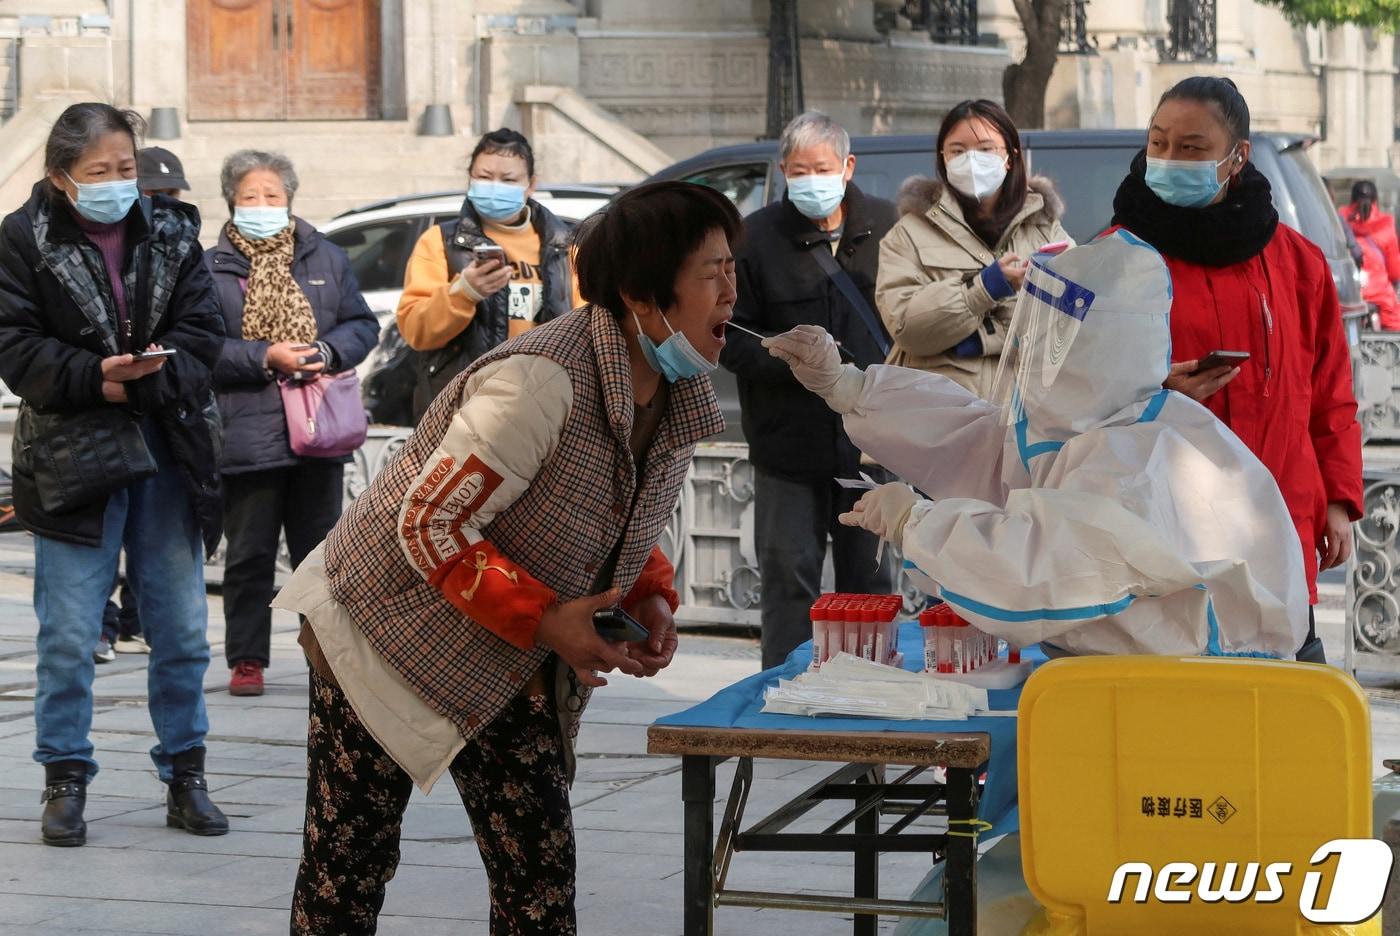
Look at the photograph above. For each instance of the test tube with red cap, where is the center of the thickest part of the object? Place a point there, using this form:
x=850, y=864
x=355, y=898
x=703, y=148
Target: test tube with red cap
x=869, y=624
x=960, y=636
x=929, y=619
x=893, y=605
x=833, y=626
x=839, y=626
x=945, y=638
x=819, y=628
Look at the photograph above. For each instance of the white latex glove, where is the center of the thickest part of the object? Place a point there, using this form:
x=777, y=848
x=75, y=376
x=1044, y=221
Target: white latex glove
x=884, y=511
x=811, y=353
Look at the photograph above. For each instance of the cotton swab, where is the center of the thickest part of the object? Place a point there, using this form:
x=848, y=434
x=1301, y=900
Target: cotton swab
x=749, y=331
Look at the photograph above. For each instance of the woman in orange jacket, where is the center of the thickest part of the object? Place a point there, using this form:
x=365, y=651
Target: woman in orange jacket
x=496, y=271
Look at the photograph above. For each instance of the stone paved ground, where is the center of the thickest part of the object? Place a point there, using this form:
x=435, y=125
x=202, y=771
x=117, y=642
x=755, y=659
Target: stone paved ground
x=136, y=876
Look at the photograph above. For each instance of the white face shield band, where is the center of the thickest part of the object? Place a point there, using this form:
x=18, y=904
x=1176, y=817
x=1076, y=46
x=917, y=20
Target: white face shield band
x=1050, y=312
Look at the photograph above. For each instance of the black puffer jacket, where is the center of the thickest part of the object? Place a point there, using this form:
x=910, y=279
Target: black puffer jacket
x=54, y=334
x=490, y=327
x=255, y=425
x=790, y=431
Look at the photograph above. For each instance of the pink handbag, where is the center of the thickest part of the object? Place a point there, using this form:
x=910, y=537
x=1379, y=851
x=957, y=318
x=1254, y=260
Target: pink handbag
x=325, y=418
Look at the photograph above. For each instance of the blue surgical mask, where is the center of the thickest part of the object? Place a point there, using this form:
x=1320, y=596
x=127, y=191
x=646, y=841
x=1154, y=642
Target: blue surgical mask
x=104, y=202
x=259, y=222
x=496, y=201
x=1186, y=183
x=817, y=196
x=675, y=358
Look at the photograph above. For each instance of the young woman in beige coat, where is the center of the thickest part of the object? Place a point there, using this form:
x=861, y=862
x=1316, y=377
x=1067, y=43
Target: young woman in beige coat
x=951, y=267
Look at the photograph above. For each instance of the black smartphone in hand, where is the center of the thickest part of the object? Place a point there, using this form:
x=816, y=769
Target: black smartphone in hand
x=617, y=625
x=1219, y=359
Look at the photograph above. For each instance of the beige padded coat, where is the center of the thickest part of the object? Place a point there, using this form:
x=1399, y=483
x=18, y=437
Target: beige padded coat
x=929, y=290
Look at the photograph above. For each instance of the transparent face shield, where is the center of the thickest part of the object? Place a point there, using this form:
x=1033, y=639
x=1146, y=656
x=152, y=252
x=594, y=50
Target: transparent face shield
x=1049, y=314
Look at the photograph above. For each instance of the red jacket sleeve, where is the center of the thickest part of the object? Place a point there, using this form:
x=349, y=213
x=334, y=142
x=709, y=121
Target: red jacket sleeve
x=1392, y=256
x=1336, y=435
x=495, y=592
x=657, y=578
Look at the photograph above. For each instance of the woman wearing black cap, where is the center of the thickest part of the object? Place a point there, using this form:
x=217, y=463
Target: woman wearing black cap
x=159, y=172
x=1380, y=251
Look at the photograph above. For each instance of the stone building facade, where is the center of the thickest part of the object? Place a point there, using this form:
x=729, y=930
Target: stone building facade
x=1337, y=84
x=615, y=89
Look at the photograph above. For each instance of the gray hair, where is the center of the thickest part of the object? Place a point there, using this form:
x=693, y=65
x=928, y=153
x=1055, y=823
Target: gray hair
x=813, y=129
x=239, y=164
x=80, y=126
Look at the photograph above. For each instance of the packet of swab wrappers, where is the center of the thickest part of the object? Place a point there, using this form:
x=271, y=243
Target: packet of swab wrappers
x=850, y=685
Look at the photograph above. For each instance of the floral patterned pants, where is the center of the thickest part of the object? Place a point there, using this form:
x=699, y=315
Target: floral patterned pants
x=512, y=780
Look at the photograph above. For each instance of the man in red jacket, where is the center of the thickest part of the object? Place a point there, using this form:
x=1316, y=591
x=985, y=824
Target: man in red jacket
x=1244, y=282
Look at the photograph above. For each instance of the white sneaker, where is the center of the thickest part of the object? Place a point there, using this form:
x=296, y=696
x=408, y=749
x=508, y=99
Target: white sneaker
x=102, y=653
x=133, y=644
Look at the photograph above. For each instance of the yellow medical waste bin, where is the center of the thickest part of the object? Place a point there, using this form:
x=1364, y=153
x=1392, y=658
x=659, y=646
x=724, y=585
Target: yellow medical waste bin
x=1206, y=762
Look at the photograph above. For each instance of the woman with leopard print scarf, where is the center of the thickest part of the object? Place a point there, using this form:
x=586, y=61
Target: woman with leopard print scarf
x=292, y=308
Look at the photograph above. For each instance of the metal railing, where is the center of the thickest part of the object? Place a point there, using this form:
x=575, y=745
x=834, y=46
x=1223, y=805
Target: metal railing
x=1074, y=34
x=951, y=22
x=1190, y=31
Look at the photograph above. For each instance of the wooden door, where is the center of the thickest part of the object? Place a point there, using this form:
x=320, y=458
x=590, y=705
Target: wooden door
x=333, y=59
x=237, y=66
x=283, y=59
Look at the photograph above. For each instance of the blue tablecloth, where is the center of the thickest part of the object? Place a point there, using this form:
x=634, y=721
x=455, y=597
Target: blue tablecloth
x=741, y=706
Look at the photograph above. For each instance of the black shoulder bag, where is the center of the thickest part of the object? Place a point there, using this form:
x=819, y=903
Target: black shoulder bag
x=842, y=280
x=79, y=458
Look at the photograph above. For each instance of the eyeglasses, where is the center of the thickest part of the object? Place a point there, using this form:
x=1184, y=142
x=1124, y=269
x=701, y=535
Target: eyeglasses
x=956, y=150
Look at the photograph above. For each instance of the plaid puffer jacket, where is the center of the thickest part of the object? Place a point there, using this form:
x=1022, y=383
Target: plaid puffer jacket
x=561, y=529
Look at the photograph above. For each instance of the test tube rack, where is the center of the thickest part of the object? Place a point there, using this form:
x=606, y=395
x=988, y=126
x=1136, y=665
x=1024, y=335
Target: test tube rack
x=861, y=625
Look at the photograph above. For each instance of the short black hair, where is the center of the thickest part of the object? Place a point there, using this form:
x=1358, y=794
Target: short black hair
x=505, y=142
x=1222, y=92
x=637, y=245
x=81, y=125
x=1365, y=189
x=1363, y=199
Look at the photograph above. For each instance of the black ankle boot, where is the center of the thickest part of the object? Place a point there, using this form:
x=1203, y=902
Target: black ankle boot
x=187, y=804
x=65, y=794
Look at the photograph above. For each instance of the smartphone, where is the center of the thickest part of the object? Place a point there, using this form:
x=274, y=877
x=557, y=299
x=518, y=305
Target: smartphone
x=1220, y=359
x=147, y=355
x=485, y=252
x=616, y=624
x=1055, y=248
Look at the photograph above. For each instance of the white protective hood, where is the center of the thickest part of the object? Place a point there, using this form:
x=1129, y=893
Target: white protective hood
x=1095, y=511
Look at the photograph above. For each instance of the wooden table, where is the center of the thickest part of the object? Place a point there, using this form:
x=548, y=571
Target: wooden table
x=862, y=780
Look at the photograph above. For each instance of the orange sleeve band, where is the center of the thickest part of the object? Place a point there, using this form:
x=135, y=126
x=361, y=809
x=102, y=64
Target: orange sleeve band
x=495, y=592
x=658, y=578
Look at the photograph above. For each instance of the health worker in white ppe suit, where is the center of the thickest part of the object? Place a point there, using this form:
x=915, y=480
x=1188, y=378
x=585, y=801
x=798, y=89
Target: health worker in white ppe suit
x=1092, y=510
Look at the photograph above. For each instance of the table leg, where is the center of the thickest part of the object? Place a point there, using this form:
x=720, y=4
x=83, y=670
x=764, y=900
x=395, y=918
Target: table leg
x=960, y=873
x=867, y=861
x=698, y=794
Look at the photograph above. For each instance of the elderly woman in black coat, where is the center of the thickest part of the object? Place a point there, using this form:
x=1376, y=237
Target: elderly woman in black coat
x=108, y=331
x=291, y=308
